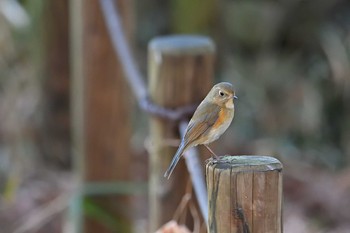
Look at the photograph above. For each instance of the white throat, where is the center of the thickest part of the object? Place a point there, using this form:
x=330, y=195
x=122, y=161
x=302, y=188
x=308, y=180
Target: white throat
x=229, y=104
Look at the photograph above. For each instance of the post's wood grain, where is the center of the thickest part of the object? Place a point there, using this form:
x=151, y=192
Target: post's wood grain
x=245, y=194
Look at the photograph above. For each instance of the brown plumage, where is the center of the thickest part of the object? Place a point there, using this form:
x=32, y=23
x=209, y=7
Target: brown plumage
x=210, y=120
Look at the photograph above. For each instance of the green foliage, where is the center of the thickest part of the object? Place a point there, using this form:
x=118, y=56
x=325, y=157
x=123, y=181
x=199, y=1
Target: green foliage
x=93, y=210
x=195, y=16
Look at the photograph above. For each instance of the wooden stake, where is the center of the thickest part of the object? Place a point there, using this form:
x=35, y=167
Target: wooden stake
x=180, y=73
x=245, y=194
x=101, y=114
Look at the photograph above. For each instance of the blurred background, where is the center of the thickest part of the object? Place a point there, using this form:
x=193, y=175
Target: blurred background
x=288, y=59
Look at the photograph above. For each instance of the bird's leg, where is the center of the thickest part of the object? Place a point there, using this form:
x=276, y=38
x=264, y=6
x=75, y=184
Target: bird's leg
x=212, y=152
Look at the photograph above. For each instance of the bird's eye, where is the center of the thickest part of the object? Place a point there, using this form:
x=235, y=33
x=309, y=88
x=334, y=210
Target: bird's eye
x=221, y=93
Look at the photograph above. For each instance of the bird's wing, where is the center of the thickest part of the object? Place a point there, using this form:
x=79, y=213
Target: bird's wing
x=202, y=120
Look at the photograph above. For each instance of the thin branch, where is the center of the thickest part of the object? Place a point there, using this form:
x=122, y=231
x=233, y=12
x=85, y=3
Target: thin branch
x=137, y=85
x=43, y=214
x=132, y=73
x=195, y=169
x=135, y=80
x=121, y=47
x=171, y=114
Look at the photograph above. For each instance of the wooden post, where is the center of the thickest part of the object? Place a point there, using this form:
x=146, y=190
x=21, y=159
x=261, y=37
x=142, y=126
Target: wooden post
x=180, y=73
x=101, y=115
x=244, y=194
x=55, y=133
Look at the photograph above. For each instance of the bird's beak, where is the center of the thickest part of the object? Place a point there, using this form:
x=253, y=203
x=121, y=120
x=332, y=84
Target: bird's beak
x=235, y=97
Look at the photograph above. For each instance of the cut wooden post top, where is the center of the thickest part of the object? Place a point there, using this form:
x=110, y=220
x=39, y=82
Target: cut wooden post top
x=245, y=194
x=182, y=44
x=246, y=163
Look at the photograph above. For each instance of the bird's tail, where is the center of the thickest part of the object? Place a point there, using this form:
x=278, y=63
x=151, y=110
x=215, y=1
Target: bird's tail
x=175, y=160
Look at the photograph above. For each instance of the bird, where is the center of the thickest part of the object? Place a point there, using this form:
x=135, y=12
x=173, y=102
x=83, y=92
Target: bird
x=210, y=120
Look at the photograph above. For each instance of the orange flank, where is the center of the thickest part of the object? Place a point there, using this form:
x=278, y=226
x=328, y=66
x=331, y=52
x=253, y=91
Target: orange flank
x=221, y=119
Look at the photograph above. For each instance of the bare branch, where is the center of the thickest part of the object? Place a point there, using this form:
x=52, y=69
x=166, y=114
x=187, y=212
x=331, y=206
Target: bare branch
x=42, y=215
x=195, y=169
x=131, y=71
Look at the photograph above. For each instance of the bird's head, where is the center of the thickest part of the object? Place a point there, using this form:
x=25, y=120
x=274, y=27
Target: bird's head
x=223, y=95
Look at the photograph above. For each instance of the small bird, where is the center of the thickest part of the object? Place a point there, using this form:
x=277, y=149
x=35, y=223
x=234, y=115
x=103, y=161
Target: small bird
x=210, y=120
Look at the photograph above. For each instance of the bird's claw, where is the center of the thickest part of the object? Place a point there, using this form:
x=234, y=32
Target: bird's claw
x=215, y=159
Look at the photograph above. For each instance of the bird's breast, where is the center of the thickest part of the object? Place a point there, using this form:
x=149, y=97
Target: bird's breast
x=223, y=122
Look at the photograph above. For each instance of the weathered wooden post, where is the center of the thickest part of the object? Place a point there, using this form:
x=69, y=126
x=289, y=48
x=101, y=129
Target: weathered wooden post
x=101, y=106
x=180, y=73
x=244, y=194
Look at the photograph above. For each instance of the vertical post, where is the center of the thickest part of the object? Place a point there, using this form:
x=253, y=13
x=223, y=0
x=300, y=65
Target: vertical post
x=101, y=115
x=56, y=125
x=180, y=73
x=244, y=194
